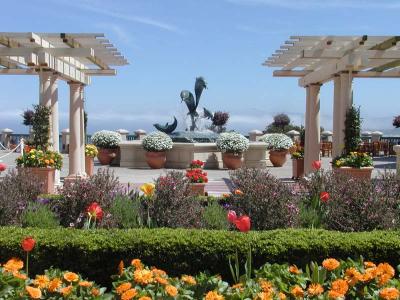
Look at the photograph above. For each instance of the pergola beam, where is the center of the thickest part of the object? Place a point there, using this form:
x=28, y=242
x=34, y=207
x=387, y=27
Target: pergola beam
x=97, y=72
x=57, y=52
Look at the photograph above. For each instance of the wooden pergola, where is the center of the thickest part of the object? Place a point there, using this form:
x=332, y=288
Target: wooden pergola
x=319, y=59
x=72, y=57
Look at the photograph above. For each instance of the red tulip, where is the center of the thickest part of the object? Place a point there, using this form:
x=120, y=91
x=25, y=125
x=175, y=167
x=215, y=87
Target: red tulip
x=324, y=196
x=28, y=244
x=316, y=164
x=232, y=216
x=243, y=223
x=94, y=210
x=3, y=167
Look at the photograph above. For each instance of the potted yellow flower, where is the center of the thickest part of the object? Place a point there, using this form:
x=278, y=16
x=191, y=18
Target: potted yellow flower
x=355, y=164
x=90, y=153
x=42, y=164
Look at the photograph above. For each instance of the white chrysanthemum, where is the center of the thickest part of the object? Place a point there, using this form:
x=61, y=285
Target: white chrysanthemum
x=106, y=139
x=232, y=142
x=157, y=142
x=277, y=141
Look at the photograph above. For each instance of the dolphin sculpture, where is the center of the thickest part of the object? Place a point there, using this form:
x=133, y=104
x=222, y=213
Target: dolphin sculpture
x=192, y=102
x=167, y=128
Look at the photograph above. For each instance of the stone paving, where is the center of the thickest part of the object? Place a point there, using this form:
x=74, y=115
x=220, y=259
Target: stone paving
x=218, y=179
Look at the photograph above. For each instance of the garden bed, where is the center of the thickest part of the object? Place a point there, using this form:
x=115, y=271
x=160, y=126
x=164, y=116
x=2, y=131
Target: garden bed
x=96, y=253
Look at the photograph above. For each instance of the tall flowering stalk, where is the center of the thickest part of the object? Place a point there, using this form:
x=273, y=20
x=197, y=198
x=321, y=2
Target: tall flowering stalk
x=27, y=245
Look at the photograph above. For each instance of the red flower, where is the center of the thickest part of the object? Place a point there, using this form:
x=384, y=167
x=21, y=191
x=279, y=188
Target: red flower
x=94, y=210
x=316, y=164
x=3, y=167
x=28, y=244
x=232, y=216
x=243, y=223
x=324, y=196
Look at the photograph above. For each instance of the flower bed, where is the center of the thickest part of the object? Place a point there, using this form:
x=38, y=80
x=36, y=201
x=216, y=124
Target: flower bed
x=96, y=253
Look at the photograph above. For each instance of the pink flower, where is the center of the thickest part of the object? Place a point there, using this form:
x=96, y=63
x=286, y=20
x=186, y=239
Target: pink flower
x=232, y=217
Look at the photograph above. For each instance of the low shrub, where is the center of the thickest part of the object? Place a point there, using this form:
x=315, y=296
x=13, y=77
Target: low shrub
x=265, y=199
x=96, y=253
x=76, y=196
x=17, y=189
x=214, y=216
x=39, y=215
x=171, y=206
x=126, y=212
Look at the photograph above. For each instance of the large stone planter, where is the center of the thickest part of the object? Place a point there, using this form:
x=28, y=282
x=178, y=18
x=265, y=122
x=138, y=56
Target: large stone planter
x=298, y=168
x=156, y=160
x=46, y=176
x=361, y=173
x=197, y=189
x=277, y=158
x=105, y=156
x=232, y=161
x=89, y=165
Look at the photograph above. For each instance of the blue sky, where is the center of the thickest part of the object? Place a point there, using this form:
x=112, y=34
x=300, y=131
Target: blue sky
x=170, y=42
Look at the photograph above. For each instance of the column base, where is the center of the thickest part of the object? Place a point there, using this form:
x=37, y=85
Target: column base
x=74, y=177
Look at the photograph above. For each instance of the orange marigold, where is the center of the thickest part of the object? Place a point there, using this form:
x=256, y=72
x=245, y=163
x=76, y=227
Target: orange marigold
x=369, y=274
x=144, y=298
x=158, y=272
x=41, y=281
x=263, y=296
x=297, y=291
x=330, y=264
x=137, y=263
x=266, y=286
x=369, y=264
x=85, y=283
x=129, y=294
x=383, y=279
x=281, y=296
x=335, y=295
x=34, y=293
x=161, y=280
x=65, y=291
x=71, y=277
x=389, y=294
x=385, y=269
x=19, y=275
x=143, y=276
x=188, y=279
x=214, y=296
x=13, y=265
x=121, y=267
x=352, y=276
x=294, y=270
x=54, y=285
x=315, y=289
x=171, y=290
x=95, y=292
x=340, y=286
x=123, y=287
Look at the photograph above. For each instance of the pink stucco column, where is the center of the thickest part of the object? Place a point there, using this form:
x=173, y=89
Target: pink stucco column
x=46, y=83
x=312, y=134
x=82, y=128
x=75, y=166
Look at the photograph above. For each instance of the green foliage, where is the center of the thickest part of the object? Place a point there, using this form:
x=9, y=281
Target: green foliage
x=214, y=216
x=40, y=216
x=96, y=253
x=41, y=126
x=126, y=212
x=352, y=130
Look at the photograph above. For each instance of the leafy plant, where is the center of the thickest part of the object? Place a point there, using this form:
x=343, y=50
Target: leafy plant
x=214, y=216
x=396, y=121
x=41, y=126
x=232, y=142
x=219, y=120
x=40, y=216
x=352, y=130
x=106, y=139
x=126, y=212
x=157, y=142
x=28, y=115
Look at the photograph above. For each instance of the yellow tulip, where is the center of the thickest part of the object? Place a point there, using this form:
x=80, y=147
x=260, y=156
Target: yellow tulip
x=148, y=189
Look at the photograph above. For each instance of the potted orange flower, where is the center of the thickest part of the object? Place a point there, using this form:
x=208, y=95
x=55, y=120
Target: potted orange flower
x=42, y=164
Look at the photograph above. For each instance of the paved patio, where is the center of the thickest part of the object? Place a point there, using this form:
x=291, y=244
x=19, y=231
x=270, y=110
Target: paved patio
x=218, y=179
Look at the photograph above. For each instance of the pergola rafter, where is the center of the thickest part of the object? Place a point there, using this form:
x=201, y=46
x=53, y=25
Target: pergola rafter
x=318, y=59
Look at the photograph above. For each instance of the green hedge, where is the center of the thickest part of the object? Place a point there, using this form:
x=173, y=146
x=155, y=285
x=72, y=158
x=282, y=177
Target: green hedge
x=96, y=253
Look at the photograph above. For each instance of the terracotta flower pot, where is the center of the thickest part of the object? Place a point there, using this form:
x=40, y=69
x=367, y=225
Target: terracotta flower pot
x=105, y=156
x=197, y=189
x=89, y=165
x=46, y=176
x=232, y=161
x=156, y=160
x=298, y=168
x=277, y=158
x=362, y=173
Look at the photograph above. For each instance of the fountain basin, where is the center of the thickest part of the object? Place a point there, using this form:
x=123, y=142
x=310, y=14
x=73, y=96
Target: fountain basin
x=181, y=154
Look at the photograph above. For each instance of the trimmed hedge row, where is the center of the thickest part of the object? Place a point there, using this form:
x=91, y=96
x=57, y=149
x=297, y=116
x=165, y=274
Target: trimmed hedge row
x=96, y=253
